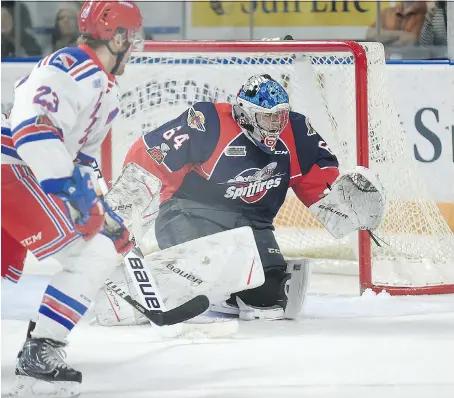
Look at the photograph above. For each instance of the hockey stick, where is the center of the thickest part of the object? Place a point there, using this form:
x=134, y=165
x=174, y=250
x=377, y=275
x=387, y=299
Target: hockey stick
x=146, y=287
x=186, y=311
x=145, y=284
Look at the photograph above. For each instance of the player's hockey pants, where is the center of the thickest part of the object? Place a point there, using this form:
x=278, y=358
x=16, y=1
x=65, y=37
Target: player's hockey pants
x=32, y=220
x=36, y=221
x=181, y=220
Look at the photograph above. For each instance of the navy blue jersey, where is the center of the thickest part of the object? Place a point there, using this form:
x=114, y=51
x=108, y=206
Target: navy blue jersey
x=204, y=156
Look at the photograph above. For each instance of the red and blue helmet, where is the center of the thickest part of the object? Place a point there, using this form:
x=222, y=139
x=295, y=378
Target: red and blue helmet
x=262, y=110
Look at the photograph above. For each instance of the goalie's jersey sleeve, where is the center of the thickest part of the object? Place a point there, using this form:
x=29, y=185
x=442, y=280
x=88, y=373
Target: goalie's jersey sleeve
x=179, y=146
x=62, y=112
x=313, y=165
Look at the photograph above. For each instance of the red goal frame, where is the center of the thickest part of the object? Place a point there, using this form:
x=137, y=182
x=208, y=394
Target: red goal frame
x=362, y=136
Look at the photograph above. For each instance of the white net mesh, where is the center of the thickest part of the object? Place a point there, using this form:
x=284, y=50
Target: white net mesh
x=419, y=246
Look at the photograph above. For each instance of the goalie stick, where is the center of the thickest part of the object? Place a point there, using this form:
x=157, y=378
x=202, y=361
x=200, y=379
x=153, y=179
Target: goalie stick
x=186, y=311
x=183, y=312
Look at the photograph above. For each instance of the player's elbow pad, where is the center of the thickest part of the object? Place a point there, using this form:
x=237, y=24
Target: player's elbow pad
x=356, y=201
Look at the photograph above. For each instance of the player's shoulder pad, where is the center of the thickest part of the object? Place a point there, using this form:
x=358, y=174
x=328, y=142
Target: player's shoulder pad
x=73, y=61
x=302, y=128
x=306, y=140
x=203, y=117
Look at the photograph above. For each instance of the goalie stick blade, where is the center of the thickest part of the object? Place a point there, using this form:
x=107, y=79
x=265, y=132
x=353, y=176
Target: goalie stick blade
x=188, y=310
x=184, y=312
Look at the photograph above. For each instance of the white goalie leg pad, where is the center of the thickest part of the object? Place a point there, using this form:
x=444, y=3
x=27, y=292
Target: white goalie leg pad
x=356, y=200
x=216, y=265
x=296, y=289
x=141, y=280
x=135, y=187
x=111, y=310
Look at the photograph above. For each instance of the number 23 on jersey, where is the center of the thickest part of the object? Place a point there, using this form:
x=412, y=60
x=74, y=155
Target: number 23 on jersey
x=46, y=98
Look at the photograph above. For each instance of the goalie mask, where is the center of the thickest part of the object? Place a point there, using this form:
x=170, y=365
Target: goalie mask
x=262, y=111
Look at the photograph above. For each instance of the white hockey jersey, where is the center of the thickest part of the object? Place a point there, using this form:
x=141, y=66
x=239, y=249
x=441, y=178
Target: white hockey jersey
x=61, y=114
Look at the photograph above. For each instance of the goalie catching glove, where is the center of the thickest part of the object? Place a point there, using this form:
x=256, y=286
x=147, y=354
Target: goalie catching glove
x=355, y=201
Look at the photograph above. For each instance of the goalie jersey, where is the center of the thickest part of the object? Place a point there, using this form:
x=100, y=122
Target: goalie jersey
x=204, y=156
x=62, y=112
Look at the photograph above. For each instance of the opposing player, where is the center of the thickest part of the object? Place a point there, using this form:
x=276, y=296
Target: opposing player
x=225, y=166
x=61, y=114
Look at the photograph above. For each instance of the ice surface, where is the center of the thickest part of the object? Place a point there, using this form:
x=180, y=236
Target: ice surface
x=343, y=346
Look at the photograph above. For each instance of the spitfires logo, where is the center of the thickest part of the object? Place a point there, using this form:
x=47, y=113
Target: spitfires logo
x=158, y=154
x=251, y=185
x=196, y=120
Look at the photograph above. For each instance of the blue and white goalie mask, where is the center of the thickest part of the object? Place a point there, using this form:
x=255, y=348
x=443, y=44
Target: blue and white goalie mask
x=262, y=111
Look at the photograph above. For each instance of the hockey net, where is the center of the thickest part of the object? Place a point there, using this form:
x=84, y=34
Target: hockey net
x=342, y=88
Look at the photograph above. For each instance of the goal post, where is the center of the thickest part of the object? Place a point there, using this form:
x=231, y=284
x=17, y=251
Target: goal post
x=341, y=86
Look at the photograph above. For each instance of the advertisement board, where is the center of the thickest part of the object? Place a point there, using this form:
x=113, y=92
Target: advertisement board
x=240, y=20
x=284, y=13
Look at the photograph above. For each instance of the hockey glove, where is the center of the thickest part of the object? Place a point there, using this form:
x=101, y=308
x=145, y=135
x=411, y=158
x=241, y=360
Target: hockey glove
x=84, y=206
x=115, y=229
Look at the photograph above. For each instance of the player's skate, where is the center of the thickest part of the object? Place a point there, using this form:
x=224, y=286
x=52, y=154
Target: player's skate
x=42, y=370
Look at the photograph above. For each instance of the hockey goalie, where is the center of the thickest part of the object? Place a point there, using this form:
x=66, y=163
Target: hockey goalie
x=219, y=167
